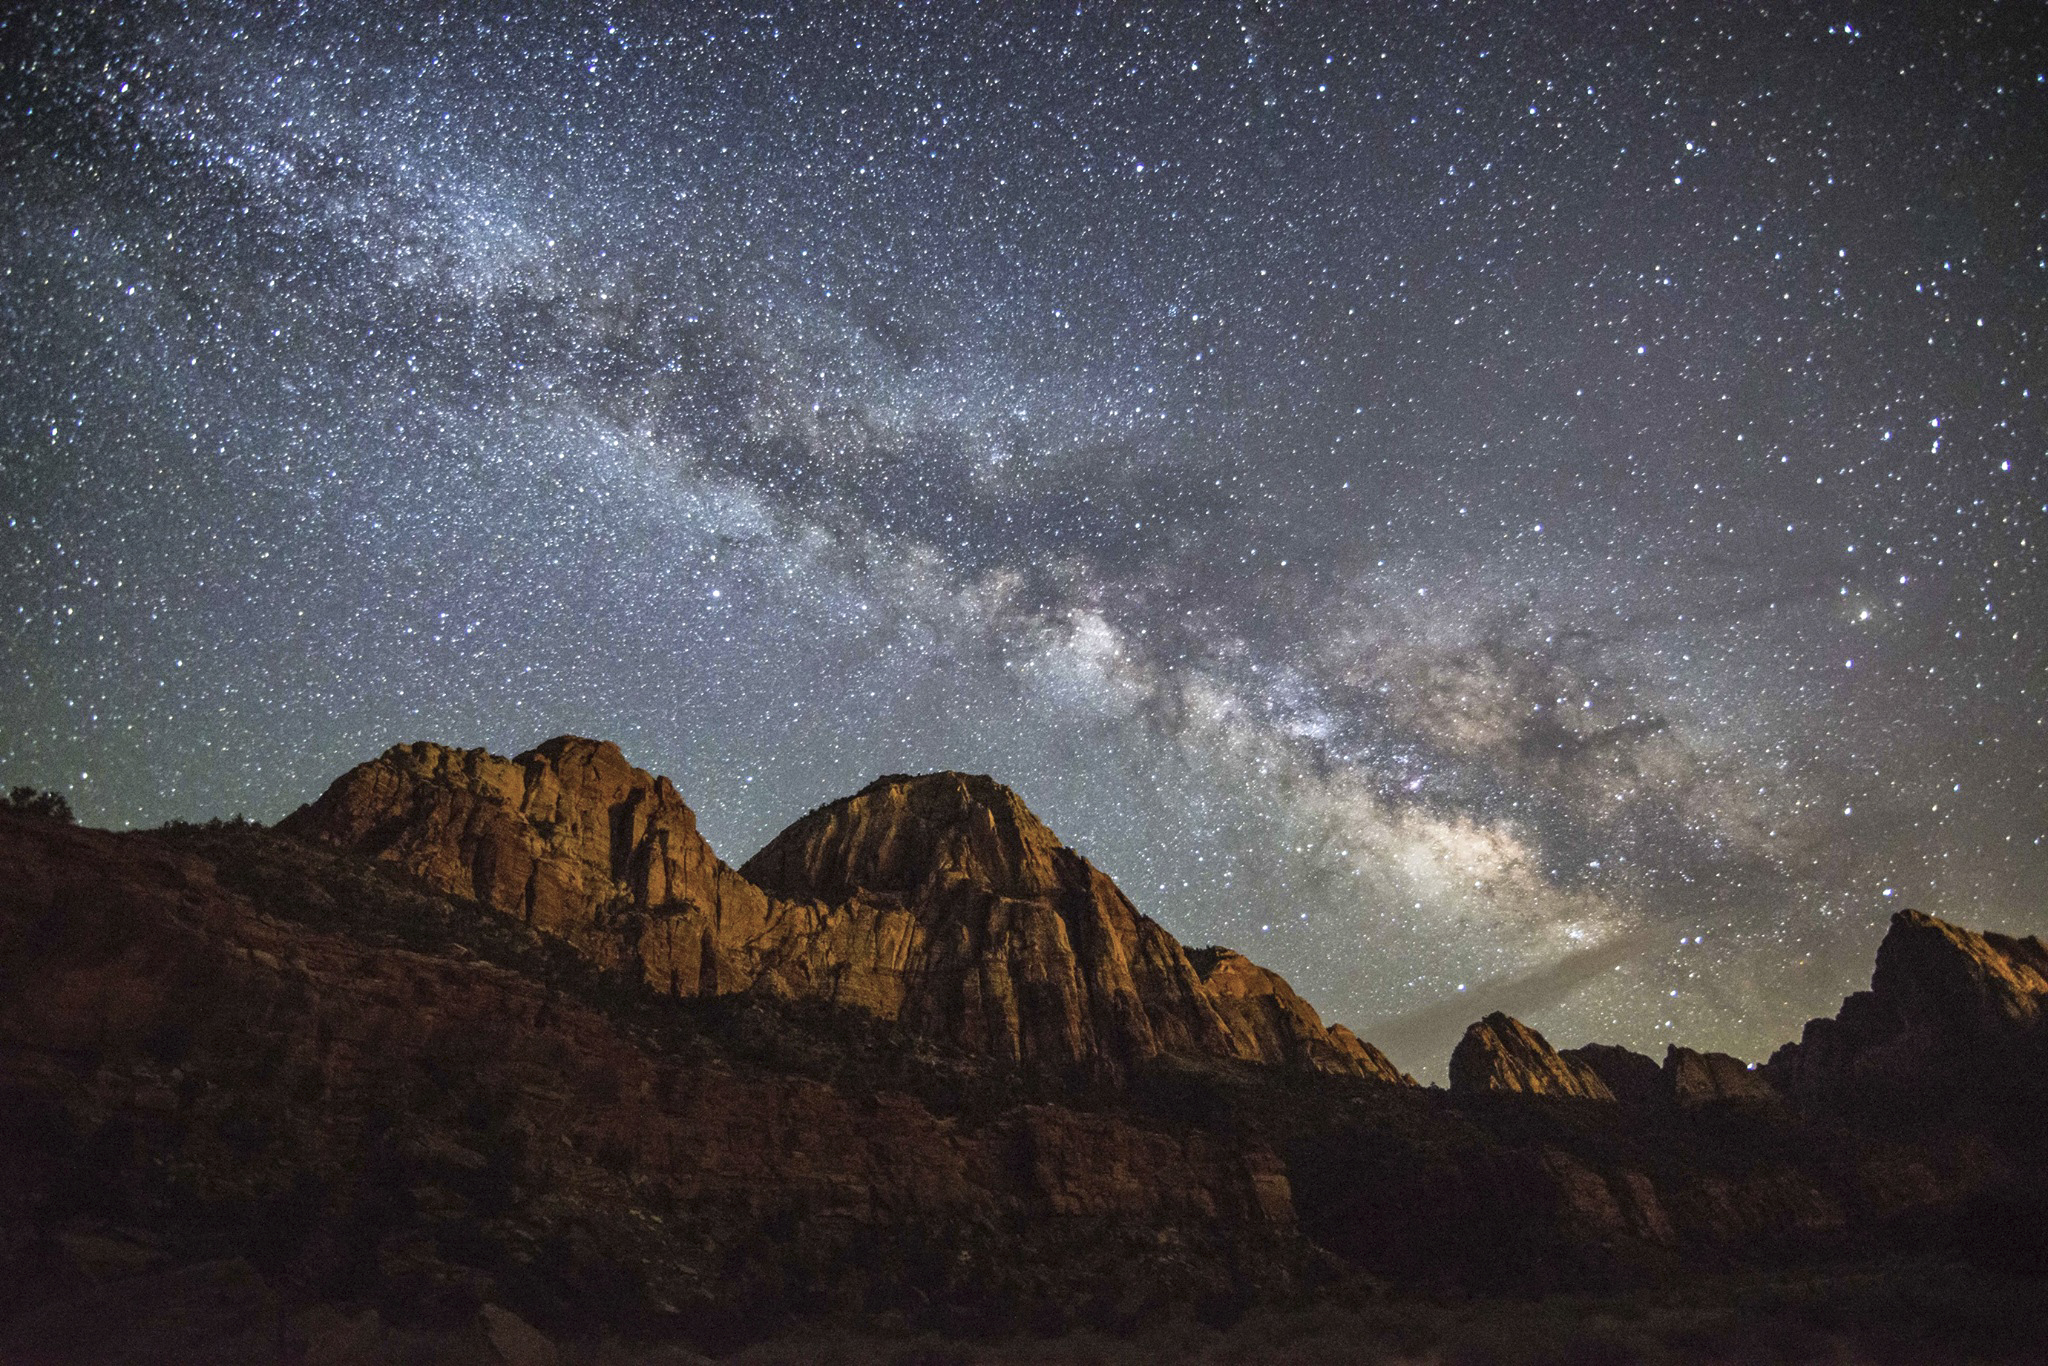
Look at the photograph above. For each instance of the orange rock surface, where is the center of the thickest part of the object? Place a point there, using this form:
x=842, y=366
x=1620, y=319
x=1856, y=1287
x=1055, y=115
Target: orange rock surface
x=938, y=901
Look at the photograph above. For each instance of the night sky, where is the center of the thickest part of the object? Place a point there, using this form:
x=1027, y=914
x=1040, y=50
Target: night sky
x=1472, y=504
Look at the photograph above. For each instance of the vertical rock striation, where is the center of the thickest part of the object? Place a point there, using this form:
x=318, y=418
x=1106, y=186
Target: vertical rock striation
x=1501, y=1054
x=1692, y=1078
x=568, y=837
x=939, y=901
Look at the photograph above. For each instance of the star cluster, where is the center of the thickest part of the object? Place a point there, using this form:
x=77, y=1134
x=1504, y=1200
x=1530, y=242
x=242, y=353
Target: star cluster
x=1475, y=505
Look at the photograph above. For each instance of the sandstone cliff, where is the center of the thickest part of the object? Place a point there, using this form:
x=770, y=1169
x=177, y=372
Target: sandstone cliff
x=1500, y=1053
x=285, y=1057
x=230, y=1043
x=1946, y=1007
x=568, y=837
x=937, y=901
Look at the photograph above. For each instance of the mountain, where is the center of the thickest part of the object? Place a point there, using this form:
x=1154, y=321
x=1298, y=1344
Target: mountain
x=940, y=902
x=1948, y=1009
x=1631, y=1076
x=234, y=1064
x=1501, y=1054
x=568, y=838
x=472, y=1057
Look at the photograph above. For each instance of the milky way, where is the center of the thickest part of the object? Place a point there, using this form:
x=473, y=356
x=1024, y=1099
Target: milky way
x=1469, y=504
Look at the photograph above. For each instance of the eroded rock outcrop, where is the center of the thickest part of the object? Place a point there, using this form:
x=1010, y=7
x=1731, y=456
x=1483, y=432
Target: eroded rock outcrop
x=1018, y=945
x=408, y=1107
x=1691, y=1078
x=1267, y=1021
x=1500, y=1053
x=939, y=901
x=1633, y=1077
x=568, y=837
x=1947, y=1007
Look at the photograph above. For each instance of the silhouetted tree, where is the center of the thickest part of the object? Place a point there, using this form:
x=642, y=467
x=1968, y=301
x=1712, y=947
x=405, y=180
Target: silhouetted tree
x=29, y=801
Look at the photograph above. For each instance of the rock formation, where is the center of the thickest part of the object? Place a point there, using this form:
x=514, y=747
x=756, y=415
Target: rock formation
x=1633, y=1077
x=188, y=1064
x=937, y=901
x=1946, y=1007
x=1500, y=1053
x=419, y=1068
x=568, y=837
x=1691, y=1078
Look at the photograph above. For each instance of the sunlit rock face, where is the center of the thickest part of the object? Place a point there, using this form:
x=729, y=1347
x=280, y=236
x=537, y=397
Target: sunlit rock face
x=1501, y=1054
x=568, y=837
x=1946, y=1006
x=939, y=901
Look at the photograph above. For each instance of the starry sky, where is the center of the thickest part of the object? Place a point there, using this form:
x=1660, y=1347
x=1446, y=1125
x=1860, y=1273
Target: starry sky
x=1476, y=505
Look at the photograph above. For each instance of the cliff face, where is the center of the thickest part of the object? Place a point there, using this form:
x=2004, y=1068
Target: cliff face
x=234, y=1043
x=1946, y=1007
x=1500, y=1053
x=367, y=1107
x=1982, y=987
x=937, y=901
x=905, y=837
x=569, y=838
x=1017, y=945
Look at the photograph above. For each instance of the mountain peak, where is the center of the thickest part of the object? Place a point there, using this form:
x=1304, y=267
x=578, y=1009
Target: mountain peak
x=978, y=787
x=903, y=833
x=1985, y=982
x=567, y=836
x=936, y=900
x=1946, y=1006
x=1500, y=1053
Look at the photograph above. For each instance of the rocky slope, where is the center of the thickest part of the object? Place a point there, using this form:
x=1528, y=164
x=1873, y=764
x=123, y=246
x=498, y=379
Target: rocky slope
x=372, y=1095
x=938, y=901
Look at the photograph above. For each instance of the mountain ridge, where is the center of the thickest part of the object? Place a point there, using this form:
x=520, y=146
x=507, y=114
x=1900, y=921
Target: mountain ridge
x=415, y=1053
x=937, y=900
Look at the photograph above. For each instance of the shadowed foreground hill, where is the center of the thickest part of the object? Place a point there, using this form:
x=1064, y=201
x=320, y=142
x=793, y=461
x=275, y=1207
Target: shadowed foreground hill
x=477, y=1057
